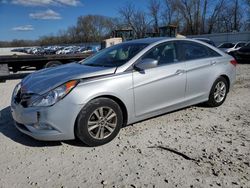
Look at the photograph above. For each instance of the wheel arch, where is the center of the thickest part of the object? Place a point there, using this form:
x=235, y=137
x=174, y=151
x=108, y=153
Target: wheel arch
x=227, y=79
x=118, y=101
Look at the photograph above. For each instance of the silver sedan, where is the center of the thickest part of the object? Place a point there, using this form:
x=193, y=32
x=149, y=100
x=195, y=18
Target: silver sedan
x=126, y=83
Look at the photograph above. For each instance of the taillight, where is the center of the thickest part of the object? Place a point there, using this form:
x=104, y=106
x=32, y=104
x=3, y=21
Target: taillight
x=233, y=62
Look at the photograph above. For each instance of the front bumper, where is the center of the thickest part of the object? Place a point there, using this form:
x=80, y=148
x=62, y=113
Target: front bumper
x=51, y=135
x=59, y=120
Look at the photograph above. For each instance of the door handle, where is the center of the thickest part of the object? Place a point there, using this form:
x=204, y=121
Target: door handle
x=179, y=72
x=213, y=62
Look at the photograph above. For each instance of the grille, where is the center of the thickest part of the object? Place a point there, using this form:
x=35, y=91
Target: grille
x=22, y=98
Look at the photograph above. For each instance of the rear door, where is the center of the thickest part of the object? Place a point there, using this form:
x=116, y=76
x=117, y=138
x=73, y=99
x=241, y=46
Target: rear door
x=200, y=64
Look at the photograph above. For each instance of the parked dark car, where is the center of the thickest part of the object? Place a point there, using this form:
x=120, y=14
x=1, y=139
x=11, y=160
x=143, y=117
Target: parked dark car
x=243, y=54
x=19, y=50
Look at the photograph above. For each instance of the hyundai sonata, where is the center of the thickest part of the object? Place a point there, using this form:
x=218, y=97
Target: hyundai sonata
x=123, y=84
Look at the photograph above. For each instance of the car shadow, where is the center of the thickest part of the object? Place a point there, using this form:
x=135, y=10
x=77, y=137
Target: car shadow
x=8, y=129
x=200, y=105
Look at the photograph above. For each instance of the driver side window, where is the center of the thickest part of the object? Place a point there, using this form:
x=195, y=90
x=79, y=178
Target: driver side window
x=164, y=53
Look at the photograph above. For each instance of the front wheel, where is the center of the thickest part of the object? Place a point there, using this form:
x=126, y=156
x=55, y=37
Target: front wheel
x=99, y=122
x=218, y=92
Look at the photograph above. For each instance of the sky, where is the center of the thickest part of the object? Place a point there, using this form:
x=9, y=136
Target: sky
x=31, y=19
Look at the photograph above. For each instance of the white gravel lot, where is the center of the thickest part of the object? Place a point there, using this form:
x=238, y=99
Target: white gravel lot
x=216, y=140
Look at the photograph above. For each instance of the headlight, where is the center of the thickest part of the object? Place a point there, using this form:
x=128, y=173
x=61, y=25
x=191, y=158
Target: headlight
x=55, y=95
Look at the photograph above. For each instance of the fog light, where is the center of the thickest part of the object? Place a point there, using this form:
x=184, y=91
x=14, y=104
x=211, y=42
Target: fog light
x=42, y=126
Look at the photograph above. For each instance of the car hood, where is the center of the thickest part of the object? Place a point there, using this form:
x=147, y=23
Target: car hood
x=44, y=80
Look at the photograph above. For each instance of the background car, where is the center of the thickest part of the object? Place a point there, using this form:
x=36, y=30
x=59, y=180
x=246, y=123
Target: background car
x=237, y=46
x=57, y=50
x=225, y=46
x=243, y=54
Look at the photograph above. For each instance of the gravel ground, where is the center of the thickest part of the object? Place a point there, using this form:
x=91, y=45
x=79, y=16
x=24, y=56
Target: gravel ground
x=212, y=144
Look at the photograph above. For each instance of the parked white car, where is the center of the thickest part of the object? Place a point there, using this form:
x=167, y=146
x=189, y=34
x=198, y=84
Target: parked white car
x=229, y=47
x=129, y=82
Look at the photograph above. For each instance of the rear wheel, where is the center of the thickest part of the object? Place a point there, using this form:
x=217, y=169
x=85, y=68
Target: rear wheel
x=99, y=122
x=218, y=92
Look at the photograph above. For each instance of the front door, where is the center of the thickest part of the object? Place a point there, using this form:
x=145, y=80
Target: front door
x=160, y=87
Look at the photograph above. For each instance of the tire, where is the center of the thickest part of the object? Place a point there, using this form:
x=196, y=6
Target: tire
x=52, y=64
x=101, y=115
x=218, y=92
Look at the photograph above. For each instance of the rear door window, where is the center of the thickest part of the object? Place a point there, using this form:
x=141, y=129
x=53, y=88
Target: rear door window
x=191, y=51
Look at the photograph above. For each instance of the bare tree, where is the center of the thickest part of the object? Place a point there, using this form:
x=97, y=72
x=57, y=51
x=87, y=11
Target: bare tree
x=215, y=14
x=154, y=11
x=170, y=14
x=134, y=18
x=197, y=19
x=247, y=26
x=204, y=16
x=187, y=9
x=235, y=14
x=127, y=13
x=93, y=28
x=203, y=19
x=72, y=35
x=230, y=18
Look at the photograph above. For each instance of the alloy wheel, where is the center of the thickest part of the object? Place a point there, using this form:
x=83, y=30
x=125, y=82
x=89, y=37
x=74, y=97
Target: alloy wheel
x=102, y=123
x=220, y=92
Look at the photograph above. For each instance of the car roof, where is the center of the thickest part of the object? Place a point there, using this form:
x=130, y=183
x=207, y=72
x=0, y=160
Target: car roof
x=152, y=42
x=240, y=42
x=158, y=40
x=149, y=40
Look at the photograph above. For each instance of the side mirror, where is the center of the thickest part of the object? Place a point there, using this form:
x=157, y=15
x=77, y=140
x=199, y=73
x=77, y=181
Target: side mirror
x=146, y=64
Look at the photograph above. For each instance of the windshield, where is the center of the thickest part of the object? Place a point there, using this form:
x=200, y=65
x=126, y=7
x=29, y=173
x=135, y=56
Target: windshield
x=226, y=45
x=115, y=56
x=240, y=44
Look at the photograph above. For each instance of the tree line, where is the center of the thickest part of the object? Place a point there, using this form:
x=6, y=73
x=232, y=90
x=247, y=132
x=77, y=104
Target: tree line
x=191, y=17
